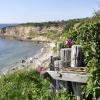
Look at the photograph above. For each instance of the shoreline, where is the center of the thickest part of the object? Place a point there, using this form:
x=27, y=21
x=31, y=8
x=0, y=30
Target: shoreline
x=27, y=38
x=33, y=62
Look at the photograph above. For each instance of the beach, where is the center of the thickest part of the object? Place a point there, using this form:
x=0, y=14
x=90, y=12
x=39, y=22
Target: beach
x=41, y=58
x=33, y=62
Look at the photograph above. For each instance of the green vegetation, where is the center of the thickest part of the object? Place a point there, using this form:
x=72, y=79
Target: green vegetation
x=54, y=34
x=46, y=24
x=87, y=35
x=24, y=85
x=60, y=28
x=27, y=85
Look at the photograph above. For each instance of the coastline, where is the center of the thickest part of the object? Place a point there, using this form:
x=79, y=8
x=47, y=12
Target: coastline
x=37, y=39
x=33, y=62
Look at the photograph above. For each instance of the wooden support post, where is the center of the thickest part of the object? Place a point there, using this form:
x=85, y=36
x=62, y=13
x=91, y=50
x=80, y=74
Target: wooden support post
x=76, y=61
x=65, y=54
x=58, y=67
x=53, y=81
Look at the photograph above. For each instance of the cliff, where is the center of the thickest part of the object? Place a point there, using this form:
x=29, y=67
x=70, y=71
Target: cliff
x=30, y=31
x=53, y=30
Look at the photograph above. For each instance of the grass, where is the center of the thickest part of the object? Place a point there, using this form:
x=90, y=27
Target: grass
x=27, y=85
x=24, y=85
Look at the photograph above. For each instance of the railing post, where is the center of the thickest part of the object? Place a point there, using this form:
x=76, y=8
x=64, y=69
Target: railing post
x=76, y=61
x=65, y=55
x=53, y=81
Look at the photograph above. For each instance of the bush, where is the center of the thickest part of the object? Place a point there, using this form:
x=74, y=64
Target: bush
x=88, y=36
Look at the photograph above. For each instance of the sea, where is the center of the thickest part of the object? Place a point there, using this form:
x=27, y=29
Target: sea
x=13, y=51
x=6, y=25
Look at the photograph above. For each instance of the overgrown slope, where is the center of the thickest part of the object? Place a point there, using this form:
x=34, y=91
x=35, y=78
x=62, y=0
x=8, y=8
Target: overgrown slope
x=53, y=30
x=87, y=34
x=27, y=85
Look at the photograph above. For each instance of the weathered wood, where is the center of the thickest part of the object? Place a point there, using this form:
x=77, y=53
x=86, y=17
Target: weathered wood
x=65, y=55
x=60, y=84
x=76, y=61
x=58, y=65
x=76, y=56
x=80, y=78
x=51, y=62
x=77, y=70
x=53, y=81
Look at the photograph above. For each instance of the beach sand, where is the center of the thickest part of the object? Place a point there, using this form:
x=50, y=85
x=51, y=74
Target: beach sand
x=41, y=58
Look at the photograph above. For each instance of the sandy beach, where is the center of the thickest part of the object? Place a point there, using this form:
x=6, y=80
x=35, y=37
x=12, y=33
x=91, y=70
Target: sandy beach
x=33, y=62
x=42, y=58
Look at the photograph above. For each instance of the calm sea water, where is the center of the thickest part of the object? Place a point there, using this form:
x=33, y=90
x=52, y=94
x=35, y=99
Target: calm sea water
x=12, y=51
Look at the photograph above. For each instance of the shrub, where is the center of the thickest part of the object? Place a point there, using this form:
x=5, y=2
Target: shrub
x=88, y=36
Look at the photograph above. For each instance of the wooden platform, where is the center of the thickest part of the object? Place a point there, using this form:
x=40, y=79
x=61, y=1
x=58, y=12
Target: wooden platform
x=70, y=74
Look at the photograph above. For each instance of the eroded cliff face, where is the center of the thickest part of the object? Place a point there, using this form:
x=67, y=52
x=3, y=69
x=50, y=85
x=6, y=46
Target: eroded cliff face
x=25, y=31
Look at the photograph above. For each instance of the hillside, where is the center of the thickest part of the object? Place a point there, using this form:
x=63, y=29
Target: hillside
x=47, y=29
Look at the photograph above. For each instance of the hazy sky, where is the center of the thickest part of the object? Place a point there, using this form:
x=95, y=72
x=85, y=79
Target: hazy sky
x=18, y=11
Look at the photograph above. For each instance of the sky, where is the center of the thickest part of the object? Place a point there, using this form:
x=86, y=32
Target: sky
x=22, y=11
